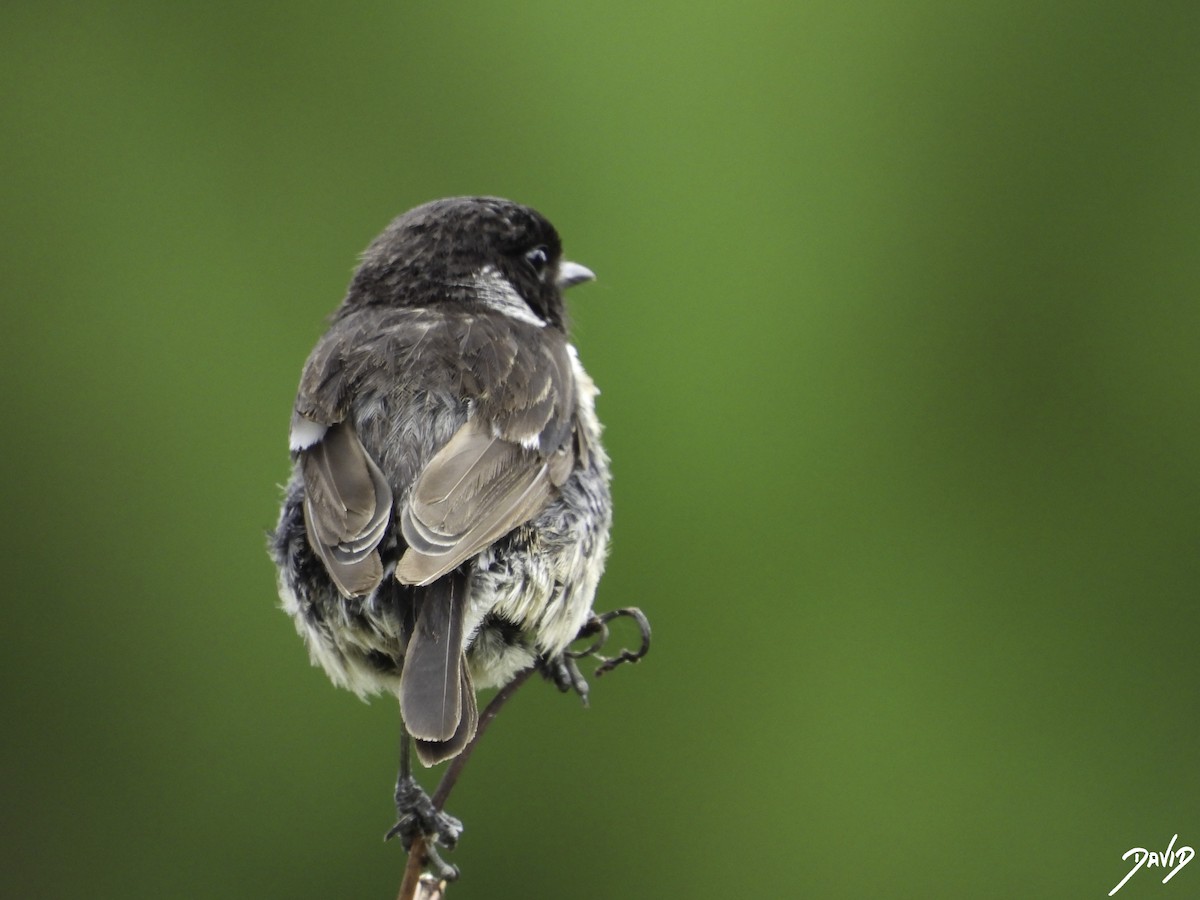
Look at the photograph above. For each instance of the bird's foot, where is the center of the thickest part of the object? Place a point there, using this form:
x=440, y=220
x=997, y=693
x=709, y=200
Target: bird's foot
x=563, y=669
x=417, y=817
x=596, y=628
x=565, y=674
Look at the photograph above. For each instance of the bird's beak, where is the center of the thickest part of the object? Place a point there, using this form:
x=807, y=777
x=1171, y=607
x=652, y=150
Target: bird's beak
x=572, y=273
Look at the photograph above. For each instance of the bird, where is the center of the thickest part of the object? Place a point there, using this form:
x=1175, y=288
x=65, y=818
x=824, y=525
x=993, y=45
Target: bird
x=447, y=516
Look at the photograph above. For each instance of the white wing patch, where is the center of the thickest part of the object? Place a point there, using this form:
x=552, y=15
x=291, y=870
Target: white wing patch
x=305, y=433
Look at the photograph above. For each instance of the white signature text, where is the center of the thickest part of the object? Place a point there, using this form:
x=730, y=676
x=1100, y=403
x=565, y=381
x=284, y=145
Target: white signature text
x=1171, y=858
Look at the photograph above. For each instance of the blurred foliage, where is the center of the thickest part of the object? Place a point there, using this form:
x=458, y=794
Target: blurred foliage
x=897, y=328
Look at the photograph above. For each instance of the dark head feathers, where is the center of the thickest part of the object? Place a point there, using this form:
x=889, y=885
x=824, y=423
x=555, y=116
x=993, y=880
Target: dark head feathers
x=436, y=252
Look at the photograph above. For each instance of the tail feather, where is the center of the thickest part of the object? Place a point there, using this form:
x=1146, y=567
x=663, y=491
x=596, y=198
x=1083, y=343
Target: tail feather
x=433, y=752
x=435, y=689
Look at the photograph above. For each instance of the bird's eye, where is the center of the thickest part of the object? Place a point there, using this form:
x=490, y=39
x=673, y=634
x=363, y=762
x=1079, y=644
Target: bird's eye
x=539, y=258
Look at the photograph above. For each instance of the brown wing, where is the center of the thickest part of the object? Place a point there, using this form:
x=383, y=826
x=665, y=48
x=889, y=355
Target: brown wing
x=347, y=503
x=476, y=489
x=501, y=468
x=348, y=500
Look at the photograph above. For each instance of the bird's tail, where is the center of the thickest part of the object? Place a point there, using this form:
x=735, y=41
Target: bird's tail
x=437, y=698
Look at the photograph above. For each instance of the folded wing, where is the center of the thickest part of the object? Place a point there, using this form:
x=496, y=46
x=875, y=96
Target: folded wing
x=475, y=490
x=346, y=507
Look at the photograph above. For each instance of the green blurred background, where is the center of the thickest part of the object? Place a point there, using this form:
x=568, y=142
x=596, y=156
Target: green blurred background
x=897, y=329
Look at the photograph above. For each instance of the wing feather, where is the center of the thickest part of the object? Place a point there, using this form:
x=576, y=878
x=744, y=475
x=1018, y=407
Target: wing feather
x=347, y=505
x=476, y=489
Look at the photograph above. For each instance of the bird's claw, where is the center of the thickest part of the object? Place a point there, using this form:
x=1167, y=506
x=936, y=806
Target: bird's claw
x=563, y=669
x=418, y=817
x=565, y=674
x=597, y=627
